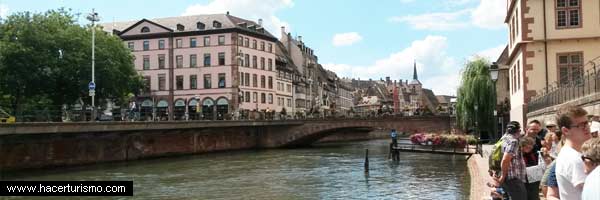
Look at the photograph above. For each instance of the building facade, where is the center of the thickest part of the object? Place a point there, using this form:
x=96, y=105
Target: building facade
x=550, y=43
x=202, y=66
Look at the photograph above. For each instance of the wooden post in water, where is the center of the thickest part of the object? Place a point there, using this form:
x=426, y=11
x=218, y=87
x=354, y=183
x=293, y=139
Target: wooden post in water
x=366, y=160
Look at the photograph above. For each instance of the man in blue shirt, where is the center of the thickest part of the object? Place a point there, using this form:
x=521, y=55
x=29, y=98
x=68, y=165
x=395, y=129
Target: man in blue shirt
x=394, y=138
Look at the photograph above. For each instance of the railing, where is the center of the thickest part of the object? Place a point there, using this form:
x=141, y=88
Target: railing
x=572, y=85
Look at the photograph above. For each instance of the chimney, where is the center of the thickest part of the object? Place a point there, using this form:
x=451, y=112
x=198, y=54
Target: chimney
x=259, y=22
x=300, y=38
x=400, y=82
x=227, y=12
x=395, y=83
x=387, y=80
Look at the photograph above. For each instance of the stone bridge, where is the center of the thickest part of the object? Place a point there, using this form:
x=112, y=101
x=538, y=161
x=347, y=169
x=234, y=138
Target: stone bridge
x=39, y=145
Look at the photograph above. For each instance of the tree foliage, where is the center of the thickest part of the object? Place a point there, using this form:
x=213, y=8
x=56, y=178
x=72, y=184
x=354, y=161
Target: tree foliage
x=477, y=88
x=45, y=59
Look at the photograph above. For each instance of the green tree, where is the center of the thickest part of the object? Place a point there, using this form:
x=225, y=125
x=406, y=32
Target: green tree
x=45, y=61
x=477, y=88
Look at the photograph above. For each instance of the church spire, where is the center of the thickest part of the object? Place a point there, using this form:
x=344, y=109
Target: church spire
x=415, y=77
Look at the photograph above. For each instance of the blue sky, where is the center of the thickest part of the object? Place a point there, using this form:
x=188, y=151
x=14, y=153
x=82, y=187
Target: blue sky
x=354, y=38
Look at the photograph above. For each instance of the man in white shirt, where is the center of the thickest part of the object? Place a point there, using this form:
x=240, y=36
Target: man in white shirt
x=569, y=166
x=590, y=155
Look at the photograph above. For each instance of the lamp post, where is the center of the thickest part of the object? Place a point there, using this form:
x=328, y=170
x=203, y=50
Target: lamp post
x=494, y=77
x=93, y=17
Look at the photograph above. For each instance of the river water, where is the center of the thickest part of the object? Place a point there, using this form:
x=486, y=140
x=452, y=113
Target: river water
x=324, y=171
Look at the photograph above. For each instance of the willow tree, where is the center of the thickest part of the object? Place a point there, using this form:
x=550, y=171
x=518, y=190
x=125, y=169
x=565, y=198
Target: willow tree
x=476, y=91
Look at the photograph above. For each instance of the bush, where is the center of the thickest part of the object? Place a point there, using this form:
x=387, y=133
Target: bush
x=443, y=140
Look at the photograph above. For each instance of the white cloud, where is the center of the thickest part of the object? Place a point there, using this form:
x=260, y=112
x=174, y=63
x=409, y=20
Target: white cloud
x=247, y=9
x=436, y=21
x=489, y=14
x=436, y=69
x=490, y=54
x=346, y=39
x=3, y=11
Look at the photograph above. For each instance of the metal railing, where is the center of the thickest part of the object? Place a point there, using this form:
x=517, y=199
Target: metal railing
x=572, y=85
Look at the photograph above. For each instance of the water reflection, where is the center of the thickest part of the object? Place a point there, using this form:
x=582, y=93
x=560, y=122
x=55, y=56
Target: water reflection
x=325, y=171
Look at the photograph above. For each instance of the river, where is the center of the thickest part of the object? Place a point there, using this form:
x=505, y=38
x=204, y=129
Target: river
x=323, y=171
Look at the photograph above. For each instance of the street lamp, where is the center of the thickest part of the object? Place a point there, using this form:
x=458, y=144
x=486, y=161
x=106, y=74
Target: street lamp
x=93, y=17
x=494, y=76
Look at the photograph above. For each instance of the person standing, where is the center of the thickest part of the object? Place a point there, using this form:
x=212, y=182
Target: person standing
x=513, y=174
x=394, y=136
x=573, y=123
x=590, y=155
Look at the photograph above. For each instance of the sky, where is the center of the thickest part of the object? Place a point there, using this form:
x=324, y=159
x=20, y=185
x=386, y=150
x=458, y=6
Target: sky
x=354, y=38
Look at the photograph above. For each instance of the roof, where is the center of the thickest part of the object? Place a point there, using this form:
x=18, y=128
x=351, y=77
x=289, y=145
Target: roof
x=503, y=59
x=283, y=55
x=189, y=23
x=430, y=96
x=444, y=99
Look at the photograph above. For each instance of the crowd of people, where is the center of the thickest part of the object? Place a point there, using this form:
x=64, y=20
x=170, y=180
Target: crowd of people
x=556, y=162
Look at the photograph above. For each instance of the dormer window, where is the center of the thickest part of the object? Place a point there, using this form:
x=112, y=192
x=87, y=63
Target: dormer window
x=200, y=26
x=216, y=24
x=180, y=27
x=252, y=27
x=145, y=29
x=243, y=24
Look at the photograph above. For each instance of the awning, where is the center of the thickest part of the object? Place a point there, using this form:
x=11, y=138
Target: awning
x=208, y=102
x=180, y=103
x=162, y=104
x=222, y=102
x=193, y=102
x=147, y=103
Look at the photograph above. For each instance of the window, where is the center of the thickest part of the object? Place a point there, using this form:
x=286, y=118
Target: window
x=246, y=43
x=207, y=59
x=178, y=43
x=146, y=45
x=145, y=29
x=247, y=96
x=254, y=44
x=216, y=24
x=270, y=48
x=179, y=82
x=568, y=13
x=179, y=61
x=240, y=41
x=161, y=61
x=255, y=97
x=289, y=88
x=270, y=82
x=207, y=84
x=193, y=60
x=207, y=41
x=570, y=68
x=193, y=82
x=254, y=62
x=222, y=58
x=263, y=98
x=161, y=82
x=221, y=80
x=270, y=98
x=180, y=27
x=289, y=102
x=247, y=79
x=518, y=75
x=262, y=81
x=161, y=44
x=241, y=78
x=192, y=42
x=130, y=46
x=254, y=80
x=200, y=26
x=270, y=64
x=221, y=40
x=146, y=62
x=262, y=46
x=247, y=62
x=147, y=83
x=262, y=63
